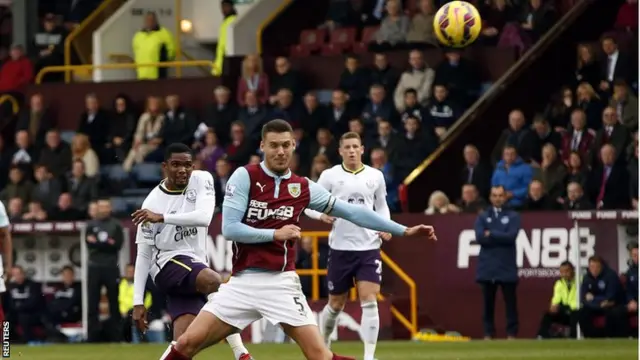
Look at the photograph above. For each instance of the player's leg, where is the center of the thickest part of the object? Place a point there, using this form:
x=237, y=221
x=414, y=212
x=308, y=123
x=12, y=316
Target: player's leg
x=330, y=313
x=368, y=278
x=310, y=342
x=341, y=269
x=205, y=330
x=207, y=282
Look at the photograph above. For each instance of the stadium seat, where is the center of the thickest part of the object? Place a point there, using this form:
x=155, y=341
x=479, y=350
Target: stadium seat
x=114, y=172
x=367, y=36
x=310, y=40
x=134, y=203
x=324, y=96
x=340, y=41
x=147, y=172
x=119, y=205
x=136, y=192
x=67, y=136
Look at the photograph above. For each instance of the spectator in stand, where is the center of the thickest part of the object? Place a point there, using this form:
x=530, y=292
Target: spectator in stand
x=378, y=108
x=241, y=147
x=147, y=135
x=356, y=126
x=5, y=163
x=47, y=188
x=577, y=171
x=379, y=160
x=24, y=154
x=470, y=200
x=36, y=120
x=542, y=135
x=420, y=77
x=253, y=115
x=178, y=127
x=16, y=73
x=575, y=199
x=343, y=13
x=26, y=303
x=623, y=314
x=82, y=188
x=459, y=76
x=394, y=27
x=514, y=175
x=551, y=172
x=601, y=291
x=313, y=114
x=382, y=73
x=94, y=123
x=577, y=139
x=285, y=78
x=19, y=186
x=15, y=209
x=122, y=125
x=340, y=112
x=517, y=135
x=589, y=101
x=495, y=15
x=537, y=198
x=536, y=19
x=388, y=140
x=439, y=204
x=66, y=305
x=633, y=176
x=626, y=105
x=81, y=150
x=211, y=152
x=253, y=79
x=286, y=109
x=416, y=146
x=609, y=182
x=588, y=67
x=475, y=172
x=35, y=212
x=153, y=44
x=496, y=231
x=421, y=32
x=302, y=150
x=563, y=309
x=412, y=107
x=65, y=211
x=558, y=112
x=617, y=65
x=627, y=19
x=319, y=164
x=354, y=81
x=221, y=114
x=229, y=14
x=56, y=154
x=49, y=44
x=613, y=133
x=325, y=144
x=223, y=172
x=442, y=111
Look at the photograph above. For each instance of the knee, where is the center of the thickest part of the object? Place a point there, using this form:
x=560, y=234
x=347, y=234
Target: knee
x=337, y=303
x=186, y=345
x=366, y=298
x=208, y=281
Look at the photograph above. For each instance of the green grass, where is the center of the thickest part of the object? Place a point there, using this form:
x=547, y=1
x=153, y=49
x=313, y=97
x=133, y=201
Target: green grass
x=389, y=350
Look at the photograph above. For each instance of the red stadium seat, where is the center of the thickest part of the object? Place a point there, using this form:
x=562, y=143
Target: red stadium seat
x=403, y=195
x=339, y=41
x=310, y=40
x=367, y=36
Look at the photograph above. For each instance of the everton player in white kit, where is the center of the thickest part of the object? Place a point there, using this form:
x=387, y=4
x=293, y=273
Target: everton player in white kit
x=7, y=246
x=355, y=251
x=172, y=238
x=261, y=211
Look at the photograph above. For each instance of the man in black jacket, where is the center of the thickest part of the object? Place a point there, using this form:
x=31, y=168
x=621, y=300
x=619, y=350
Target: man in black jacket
x=66, y=305
x=104, y=238
x=601, y=292
x=26, y=303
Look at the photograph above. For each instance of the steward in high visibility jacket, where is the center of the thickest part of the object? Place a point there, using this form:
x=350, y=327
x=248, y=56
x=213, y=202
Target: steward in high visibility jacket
x=153, y=44
x=564, y=305
x=229, y=13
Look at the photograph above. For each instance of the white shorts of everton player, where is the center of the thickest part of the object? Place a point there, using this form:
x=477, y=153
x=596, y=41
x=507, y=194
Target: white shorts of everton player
x=250, y=296
x=3, y=287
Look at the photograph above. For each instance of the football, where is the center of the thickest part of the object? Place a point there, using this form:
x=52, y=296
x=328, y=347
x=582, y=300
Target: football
x=457, y=24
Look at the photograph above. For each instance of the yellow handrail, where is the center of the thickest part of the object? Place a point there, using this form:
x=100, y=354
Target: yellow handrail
x=168, y=64
x=263, y=25
x=315, y=272
x=68, y=41
x=15, y=106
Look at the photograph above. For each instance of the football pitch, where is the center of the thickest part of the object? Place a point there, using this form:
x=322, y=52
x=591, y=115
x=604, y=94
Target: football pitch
x=389, y=350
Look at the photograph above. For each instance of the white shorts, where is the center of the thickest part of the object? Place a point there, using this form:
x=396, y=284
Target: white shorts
x=248, y=297
x=3, y=287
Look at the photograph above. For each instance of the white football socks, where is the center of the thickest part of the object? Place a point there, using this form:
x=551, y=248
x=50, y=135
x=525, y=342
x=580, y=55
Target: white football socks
x=329, y=320
x=166, y=352
x=369, y=328
x=235, y=342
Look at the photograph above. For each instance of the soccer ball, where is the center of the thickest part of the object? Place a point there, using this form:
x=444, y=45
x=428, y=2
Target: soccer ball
x=457, y=24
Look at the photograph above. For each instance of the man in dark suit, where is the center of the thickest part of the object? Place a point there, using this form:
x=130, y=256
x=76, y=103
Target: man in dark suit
x=516, y=135
x=616, y=65
x=575, y=199
x=94, y=123
x=286, y=109
x=474, y=172
x=339, y=113
x=252, y=116
x=608, y=182
x=56, y=154
x=221, y=114
x=612, y=133
x=388, y=140
x=541, y=135
x=576, y=138
x=313, y=115
x=496, y=231
x=82, y=188
x=35, y=120
x=378, y=108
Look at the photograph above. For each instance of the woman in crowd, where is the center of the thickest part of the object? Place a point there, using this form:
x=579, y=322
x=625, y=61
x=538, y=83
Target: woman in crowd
x=81, y=150
x=146, y=138
x=253, y=79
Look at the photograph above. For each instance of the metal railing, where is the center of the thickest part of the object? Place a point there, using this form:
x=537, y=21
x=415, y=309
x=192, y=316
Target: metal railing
x=410, y=322
x=267, y=21
x=15, y=105
x=71, y=68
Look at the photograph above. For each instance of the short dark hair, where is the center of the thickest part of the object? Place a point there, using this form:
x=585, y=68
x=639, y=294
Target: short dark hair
x=596, y=259
x=509, y=146
x=620, y=82
x=410, y=91
x=276, y=126
x=67, y=268
x=350, y=135
x=176, y=148
x=567, y=263
x=501, y=187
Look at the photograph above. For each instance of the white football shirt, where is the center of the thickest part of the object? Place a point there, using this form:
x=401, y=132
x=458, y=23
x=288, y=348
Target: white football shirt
x=168, y=241
x=4, y=222
x=364, y=187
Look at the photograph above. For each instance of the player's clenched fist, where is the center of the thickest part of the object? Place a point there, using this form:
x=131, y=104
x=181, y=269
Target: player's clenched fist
x=140, y=318
x=287, y=232
x=422, y=230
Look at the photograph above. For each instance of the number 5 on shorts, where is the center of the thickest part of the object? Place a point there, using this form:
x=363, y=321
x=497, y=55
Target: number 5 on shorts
x=296, y=300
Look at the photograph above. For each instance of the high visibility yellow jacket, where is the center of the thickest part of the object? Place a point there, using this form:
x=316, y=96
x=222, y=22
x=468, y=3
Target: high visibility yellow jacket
x=151, y=47
x=125, y=297
x=222, y=45
x=564, y=293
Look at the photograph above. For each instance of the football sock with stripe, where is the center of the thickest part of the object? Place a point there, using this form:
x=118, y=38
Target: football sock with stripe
x=172, y=354
x=369, y=328
x=235, y=342
x=329, y=318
